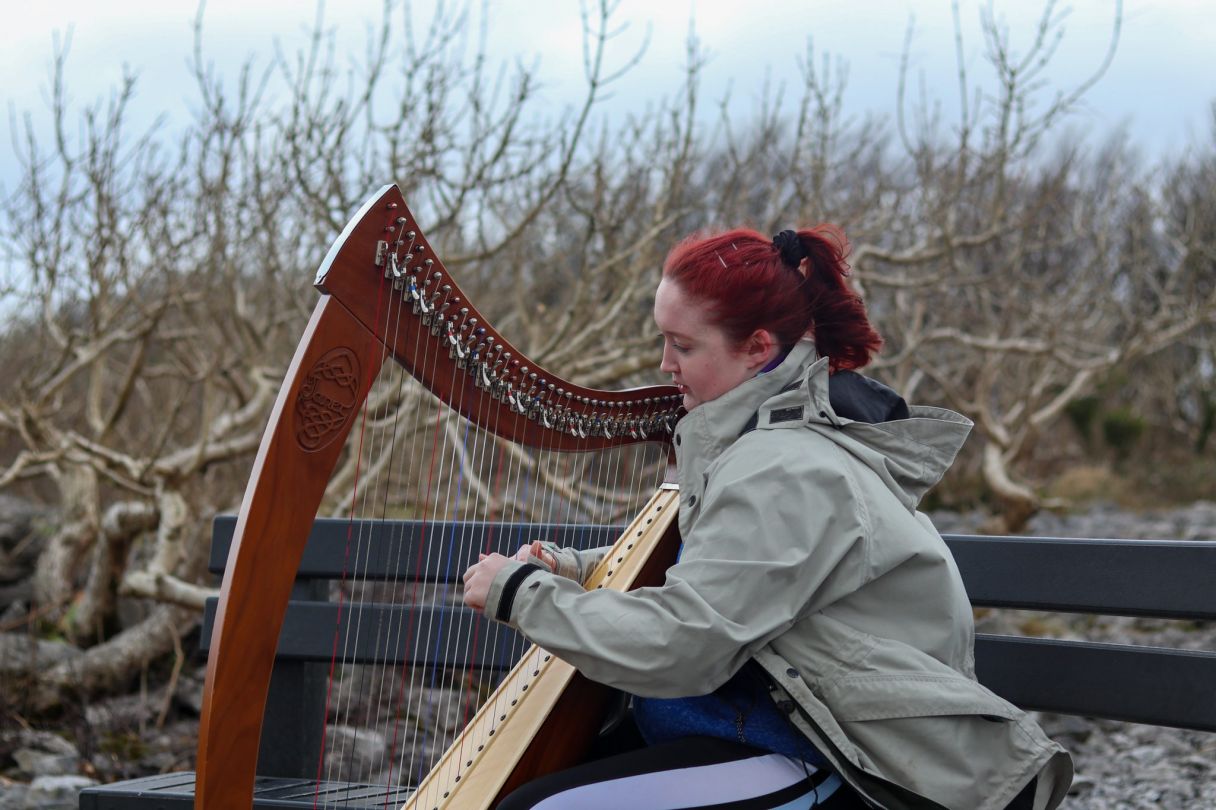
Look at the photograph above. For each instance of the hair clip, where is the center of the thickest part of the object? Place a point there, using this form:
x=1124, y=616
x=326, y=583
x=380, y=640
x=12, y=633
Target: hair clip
x=719, y=255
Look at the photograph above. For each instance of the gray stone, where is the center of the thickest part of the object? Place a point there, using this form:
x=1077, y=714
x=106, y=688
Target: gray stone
x=42, y=741
x=56, y=792
x=1067, y=729
x=41, y=753
x=124, y=712
x=1081, y=784
x=40, y=763
x=354, y=753
x=12, y=795
x=441, y=710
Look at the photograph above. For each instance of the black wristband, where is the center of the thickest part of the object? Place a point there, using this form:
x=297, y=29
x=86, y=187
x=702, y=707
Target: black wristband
x=511, y=587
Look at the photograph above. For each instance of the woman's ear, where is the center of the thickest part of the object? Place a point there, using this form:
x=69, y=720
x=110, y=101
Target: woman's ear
x=761, y=348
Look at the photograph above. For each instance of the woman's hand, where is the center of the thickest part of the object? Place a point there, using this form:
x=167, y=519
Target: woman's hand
x=478, y=577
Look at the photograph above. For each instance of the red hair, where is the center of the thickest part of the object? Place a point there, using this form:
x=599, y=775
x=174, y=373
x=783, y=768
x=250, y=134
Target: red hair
x=741, y=276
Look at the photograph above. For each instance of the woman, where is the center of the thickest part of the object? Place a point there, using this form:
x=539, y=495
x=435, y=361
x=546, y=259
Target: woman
x=813, y=645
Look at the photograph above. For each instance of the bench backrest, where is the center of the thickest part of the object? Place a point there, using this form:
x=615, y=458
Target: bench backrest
x=1145, y=578
x=389, y=550
x=1160, y=579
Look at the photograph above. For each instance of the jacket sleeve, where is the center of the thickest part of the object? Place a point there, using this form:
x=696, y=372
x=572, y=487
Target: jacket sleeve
x=765, y=550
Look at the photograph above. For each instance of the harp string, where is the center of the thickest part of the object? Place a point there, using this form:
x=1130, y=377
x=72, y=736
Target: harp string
x=355, y=575
x=420, y=675
x=349, y=536
x=487, y=516
x=421, y=763
x=363, y=586
x=386, y=637
x=396, y=591
x=493, y=639
x=426, y=542
x=456, y=762
x=530, y=484
x=383, y=704
x=454, y=699
x=469, y=458
x=455, y=478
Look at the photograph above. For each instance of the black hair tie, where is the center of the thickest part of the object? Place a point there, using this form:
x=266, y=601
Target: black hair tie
x=790, y=247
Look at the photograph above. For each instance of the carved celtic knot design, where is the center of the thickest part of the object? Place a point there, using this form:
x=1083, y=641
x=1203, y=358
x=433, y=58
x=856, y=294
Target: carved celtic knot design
x=327, y=399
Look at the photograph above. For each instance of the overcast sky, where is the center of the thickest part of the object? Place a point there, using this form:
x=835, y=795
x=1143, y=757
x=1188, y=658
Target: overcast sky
x=1160, y=85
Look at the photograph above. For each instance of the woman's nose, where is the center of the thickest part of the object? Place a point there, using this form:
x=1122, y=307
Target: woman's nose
x=667, y=364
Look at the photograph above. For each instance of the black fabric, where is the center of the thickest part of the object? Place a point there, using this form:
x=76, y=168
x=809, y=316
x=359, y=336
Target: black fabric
x=790, y=247
x=852, y=396
x=510, y=588
x=861, y=399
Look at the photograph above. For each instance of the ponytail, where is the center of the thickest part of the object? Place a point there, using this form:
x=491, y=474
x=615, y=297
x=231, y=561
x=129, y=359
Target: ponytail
x=841, y=328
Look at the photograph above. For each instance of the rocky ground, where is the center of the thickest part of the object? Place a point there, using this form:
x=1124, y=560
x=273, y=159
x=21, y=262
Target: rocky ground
x=1119, y=765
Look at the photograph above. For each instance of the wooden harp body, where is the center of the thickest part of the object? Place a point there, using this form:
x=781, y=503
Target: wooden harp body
x=385, y=295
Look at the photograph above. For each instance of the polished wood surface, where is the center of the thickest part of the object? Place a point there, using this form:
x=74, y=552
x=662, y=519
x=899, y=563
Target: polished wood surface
x=289, y=477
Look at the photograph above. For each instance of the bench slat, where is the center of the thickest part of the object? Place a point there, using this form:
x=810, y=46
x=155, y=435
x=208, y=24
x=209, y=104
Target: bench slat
x=1154, y=578
x=175, y=791
x=389, y=549
x=381, y=633
x=1163, y=687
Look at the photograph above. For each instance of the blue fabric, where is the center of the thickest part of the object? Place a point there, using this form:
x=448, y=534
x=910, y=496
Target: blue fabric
x=739, y=710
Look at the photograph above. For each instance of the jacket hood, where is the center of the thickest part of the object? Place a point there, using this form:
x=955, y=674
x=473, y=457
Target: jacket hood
x=910, y=448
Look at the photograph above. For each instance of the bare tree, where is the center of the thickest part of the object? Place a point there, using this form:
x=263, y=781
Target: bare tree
x=166, y=281
x=164, y=292
x=1025, y=267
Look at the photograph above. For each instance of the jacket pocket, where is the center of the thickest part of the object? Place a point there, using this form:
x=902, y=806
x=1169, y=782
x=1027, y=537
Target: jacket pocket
x=881, y=697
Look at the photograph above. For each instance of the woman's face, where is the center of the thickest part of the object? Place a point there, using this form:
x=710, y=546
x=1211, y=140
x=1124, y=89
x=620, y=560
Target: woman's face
x=701, y=360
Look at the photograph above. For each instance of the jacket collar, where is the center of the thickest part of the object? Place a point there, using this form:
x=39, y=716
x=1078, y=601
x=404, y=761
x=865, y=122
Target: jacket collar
x=909, y=455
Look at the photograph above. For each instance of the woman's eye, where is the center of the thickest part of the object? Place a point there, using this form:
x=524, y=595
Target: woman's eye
x=679, y=347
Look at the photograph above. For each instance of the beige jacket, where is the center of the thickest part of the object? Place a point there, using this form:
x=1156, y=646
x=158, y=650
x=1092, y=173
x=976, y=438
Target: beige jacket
x=803, y=549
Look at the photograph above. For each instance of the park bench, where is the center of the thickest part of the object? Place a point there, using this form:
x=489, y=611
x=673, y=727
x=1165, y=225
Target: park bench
x=1140, y=578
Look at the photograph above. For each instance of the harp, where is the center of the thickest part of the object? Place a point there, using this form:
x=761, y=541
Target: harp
x=385, y=295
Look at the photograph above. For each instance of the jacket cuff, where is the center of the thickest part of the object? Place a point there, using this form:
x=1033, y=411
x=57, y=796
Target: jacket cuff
x=501, y=597
x=567, y=561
